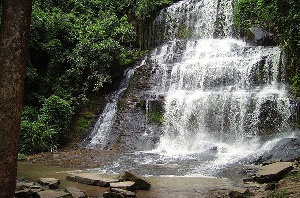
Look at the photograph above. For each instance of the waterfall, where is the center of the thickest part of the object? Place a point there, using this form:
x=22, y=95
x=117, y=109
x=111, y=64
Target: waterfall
x=224, y=100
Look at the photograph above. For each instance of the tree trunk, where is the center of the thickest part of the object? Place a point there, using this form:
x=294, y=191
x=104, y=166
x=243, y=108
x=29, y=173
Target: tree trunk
x=16, y=16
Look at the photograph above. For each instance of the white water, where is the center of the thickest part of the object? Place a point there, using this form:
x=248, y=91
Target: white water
x=224, y=100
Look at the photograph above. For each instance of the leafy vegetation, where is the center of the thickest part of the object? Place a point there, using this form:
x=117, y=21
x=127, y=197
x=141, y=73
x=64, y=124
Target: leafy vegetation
x=282, y=17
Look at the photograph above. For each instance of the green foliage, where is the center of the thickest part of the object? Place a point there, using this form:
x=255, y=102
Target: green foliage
x=156, y=116
x=36, y=137
x=44, y=132
x=245, y=14
x=184, y=32
x=295, y=86
x=22, y=157
x=56, y=113
x=84, y=121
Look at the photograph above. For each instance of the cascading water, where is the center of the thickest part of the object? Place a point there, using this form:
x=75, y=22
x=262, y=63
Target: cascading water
x=224, y=100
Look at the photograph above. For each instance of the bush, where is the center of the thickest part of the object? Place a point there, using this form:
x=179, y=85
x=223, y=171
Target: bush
x=56, y=113
x=36, y=137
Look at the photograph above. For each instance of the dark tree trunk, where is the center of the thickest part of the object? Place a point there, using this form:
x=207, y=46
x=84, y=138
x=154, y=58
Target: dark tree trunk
x=16, y=16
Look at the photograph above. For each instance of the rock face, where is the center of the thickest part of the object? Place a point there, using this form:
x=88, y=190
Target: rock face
x=287, y=149
x=272, y=172
x=91, y=179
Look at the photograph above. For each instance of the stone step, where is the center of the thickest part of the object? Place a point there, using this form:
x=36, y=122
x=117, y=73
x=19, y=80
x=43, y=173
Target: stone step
x=91, y=179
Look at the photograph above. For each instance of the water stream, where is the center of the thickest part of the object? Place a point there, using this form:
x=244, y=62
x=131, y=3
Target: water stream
x=225, y=101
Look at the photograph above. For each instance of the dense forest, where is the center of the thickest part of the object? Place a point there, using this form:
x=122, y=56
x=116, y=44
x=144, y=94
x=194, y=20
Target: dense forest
x=79, y=49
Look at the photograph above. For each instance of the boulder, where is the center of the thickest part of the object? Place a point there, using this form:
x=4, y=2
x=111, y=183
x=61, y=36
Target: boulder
x=272, y=172
x=91, y=179
x=126, y=185
x=140, y=183
x=75, y=192
x=261, y=36
x=51, y=182
x=53, y=194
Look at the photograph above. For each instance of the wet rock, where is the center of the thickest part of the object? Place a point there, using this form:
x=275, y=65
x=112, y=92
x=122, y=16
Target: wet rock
x=91, y=179
x=75, y=192
x=53, y=194
x=126, y=193
x=51, y=182
x=112, y=195
x=140, y=183
x=261, y=36
x=287, y=149
x=272, y=172
x=126, y=185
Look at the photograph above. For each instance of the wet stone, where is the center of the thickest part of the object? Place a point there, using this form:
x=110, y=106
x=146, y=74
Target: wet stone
x=91, y=179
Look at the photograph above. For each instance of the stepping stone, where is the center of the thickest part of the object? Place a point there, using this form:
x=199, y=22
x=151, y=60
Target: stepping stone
x=126, y=193
x=126, y=185
x=91, y=179
x=272, y=172
x=140, y=183
x=53, y=194
x=75, y=192
x=51, y=182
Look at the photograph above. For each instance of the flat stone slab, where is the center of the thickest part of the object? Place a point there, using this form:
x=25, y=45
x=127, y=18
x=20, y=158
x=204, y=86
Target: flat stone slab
x=53, y=194
x=75, y=192
x=272, y=172
x=126, y=185
x=140, y=183
x=91, y=179
x=51, y=182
